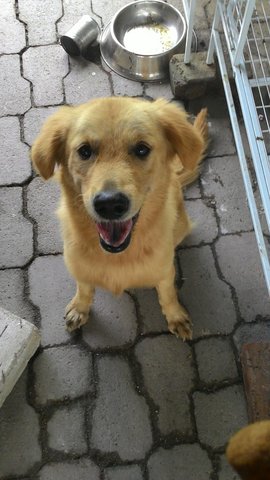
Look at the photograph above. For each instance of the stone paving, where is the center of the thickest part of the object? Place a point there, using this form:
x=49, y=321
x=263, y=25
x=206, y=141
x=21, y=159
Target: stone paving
x=122, y=399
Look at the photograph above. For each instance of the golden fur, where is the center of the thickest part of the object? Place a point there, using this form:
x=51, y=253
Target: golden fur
x=112, y=126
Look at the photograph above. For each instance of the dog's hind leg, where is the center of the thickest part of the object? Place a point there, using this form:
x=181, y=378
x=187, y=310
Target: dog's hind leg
x=178, y=319
x=77, y=311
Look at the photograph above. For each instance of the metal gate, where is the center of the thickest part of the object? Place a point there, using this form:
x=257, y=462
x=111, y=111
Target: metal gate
x=242, y=28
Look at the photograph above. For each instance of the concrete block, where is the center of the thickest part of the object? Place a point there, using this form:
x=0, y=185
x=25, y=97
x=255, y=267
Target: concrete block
x=153, y=320
x=205, y=228
x=14, y=164
x=230, y=196
x=66, y=430
x=112, y=321
x=132, y=472
x=167, y=359
x=15, y=90
x=216, y=362
x=45, y=67
x=12, y=31
x=42, y=202
x=203, y=292
x=62, y=373
x=221, y=420
x=239, y=260
x=20, y=449
x=190, y=81
x=33, y=121
x=16, y=232
x=120, y=407
x=19, y=340
x=51, y=288
x=86, y=80
x=82, y=469
x=180, y=462
x=41, y=32
x=226, y=472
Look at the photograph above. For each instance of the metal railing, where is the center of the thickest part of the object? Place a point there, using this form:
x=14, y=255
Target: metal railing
x=245, y=31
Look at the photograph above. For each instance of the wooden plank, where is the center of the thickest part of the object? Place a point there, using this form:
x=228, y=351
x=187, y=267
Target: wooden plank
x=255, y=360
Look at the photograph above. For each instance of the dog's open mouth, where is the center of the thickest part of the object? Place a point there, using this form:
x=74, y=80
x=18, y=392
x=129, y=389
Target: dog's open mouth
x=115, y=235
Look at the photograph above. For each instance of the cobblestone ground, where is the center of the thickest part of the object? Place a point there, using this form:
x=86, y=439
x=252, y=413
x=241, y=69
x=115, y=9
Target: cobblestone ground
x=122, y=399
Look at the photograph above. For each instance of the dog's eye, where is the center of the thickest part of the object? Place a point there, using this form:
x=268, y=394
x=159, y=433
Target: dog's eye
x=85, y=151
x=141, y=150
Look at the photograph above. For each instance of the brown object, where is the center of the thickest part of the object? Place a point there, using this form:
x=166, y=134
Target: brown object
x=255, y=359
x=249, y=451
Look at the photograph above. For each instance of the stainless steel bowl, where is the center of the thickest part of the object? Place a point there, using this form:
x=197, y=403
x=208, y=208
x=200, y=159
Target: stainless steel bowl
x=141, y=39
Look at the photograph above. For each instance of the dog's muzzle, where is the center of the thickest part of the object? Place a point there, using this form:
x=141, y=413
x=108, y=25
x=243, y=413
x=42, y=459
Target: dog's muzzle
x=114, y=233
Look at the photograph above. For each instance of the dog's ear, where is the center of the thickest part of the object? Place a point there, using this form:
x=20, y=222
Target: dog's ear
x=48, y=149
x=187, y=140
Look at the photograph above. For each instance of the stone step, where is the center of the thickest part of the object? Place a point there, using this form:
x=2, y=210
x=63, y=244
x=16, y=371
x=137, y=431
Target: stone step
x=19, y=340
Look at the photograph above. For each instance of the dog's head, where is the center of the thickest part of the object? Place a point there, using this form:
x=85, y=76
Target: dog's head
x=116, y=152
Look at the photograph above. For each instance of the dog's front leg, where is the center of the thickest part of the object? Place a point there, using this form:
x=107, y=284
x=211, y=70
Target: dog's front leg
x=77, y=311
x=178, y=319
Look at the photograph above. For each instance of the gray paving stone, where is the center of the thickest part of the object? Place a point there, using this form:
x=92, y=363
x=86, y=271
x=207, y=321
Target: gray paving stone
x=85, y=81
x=62, y=373
x=83, y=469
x=73, y=11
x=240, y=264
x=226, y=472
x=221, y=138
x=205, y=227
x=66, y=430
x=42, y=202
x=200, y=20
x=153, y=319
x=45, y=67
x=222, y=179
x=12, y=296
x=123, y=86
x=12, y=36
x=107, y=9
x=203, y=293
x=112, y=321
x=216, y=420
x=181, y=462
x=250, y=333
x=220, y=133
x=157, y=90
x=15, y=90
x=33, y=121
x=16, y=233
x=167, y=359
x=119, y=406
x=216, y=361
x=15, y=166
x=132, y=472
x=215, y=103
x=47, y=12
x=19, y=433
x=51, y=289
x=192, y=191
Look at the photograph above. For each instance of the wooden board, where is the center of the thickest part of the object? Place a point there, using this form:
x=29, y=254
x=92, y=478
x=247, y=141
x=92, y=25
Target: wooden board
x=255, y=360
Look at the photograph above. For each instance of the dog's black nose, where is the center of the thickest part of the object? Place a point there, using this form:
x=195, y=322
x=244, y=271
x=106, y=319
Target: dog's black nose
x=111, y=205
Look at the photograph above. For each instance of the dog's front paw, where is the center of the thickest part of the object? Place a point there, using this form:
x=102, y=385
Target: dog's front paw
x=75, y=317
x=181, y=327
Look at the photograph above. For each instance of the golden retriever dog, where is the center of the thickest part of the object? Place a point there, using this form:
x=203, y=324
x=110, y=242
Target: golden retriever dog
x=122, y=163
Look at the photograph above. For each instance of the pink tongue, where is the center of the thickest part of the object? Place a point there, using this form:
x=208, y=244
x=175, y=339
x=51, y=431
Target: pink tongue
x=114, y=233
